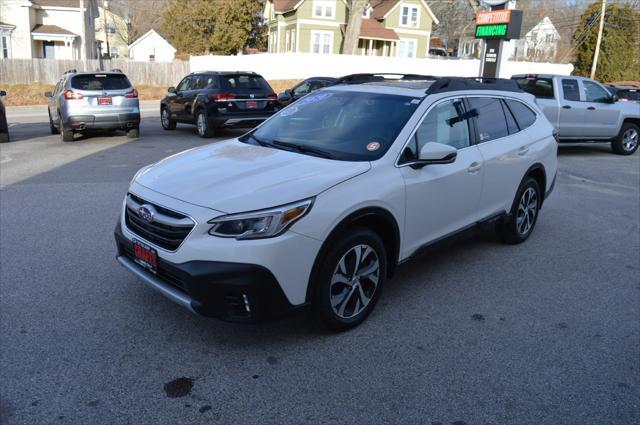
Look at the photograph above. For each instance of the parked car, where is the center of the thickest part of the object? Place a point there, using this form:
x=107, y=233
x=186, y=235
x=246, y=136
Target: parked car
x=318, y=205
x=4, y=127
x=304, y=88
x=94, y=100
x=213, y=100
x=584, y=110
x=625, y=92
x=438, y=51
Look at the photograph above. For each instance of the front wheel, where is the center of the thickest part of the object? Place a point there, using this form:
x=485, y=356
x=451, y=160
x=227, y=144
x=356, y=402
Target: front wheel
x=350, y=280
x=627, y=141
x=519, y=224
x=166, y=121
x=205, y=130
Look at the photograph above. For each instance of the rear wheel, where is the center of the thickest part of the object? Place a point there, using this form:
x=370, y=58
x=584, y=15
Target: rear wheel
x=350, y=280
x=205, y=130
x=519, y=224
x=166, y=121
x=133, y=133
x=628, y=140
x=52, y=127
x=65, y=134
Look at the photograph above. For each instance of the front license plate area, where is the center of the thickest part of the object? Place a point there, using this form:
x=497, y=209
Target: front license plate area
x=145, y=256
x=104, y=101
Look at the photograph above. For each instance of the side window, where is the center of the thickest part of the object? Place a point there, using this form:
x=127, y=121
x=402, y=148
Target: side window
x=302, y=89
x=524, y=116
x=184, y=84
x=490, y=118
x=570, y=89
x=539, y=87
x=210, y=81
x=57, y=89
x=443, y=124
x=594, y=93
x=512, y=126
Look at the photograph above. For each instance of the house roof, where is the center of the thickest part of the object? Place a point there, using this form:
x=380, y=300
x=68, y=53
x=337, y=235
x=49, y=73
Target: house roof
x=372, y=29
x=382, y=8
x=147, y=34
x=50, y=29
x=4, y=24
x=283, y=6
x=57, y=3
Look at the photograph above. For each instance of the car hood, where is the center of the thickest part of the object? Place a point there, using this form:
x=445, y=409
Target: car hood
x=232, y=176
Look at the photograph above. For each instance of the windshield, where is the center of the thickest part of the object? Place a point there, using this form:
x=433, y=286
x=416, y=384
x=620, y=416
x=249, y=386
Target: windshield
x=348, y=126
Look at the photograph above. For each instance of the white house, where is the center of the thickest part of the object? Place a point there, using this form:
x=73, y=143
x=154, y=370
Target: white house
x=539, y=43
x=152, y=47
x=51, y=29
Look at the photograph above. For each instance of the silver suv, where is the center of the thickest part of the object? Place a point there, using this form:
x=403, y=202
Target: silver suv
x=93, y=100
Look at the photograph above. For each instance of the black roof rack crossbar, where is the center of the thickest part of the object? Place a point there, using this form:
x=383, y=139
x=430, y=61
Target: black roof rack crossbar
x=446, y=84
x=368, y=78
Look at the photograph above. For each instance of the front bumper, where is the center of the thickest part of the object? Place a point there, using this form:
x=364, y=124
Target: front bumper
x=123, y=121
x=229, y=291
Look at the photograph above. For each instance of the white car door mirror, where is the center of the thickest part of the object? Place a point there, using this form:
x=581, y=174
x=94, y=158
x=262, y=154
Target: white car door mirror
x=436, y=153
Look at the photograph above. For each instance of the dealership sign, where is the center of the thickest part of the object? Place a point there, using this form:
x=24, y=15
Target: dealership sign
x=499, y=24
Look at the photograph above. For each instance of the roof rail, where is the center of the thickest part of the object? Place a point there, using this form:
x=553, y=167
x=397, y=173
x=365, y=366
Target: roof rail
x=71, y=71
x=368, y=78
x=445, y=84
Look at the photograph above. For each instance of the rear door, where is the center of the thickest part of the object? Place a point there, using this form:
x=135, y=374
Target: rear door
x=572, y=110
x=505, y=153
x=601, y=116
x=252, y=94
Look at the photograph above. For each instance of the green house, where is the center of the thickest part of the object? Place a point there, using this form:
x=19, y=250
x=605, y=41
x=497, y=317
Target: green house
x=398, y=28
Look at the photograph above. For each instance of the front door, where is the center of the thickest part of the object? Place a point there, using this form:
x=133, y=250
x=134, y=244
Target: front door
x=600, y=116
x=177, y=101
x=441, y=198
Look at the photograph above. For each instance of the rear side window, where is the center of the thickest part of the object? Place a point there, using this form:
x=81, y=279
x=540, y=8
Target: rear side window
x=100, y=82
x=524, y=116
x=244, y=82
x=539, y=87
x=202, y=82
x=490, y=119
x=512, y=126
x=571, y=90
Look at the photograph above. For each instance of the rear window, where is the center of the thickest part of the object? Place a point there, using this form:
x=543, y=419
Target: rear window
x=521, y=112
x=100, y=82
x=244, y=82
x=629, y=94
x=539, y=87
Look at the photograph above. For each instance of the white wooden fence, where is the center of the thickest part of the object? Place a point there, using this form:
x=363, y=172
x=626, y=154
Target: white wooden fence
x=17, y=71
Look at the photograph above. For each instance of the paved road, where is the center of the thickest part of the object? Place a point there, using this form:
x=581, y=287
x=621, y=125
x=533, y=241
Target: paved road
x=475, y=332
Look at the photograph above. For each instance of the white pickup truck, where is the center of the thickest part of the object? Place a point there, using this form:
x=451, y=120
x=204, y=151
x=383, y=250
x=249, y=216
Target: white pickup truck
x=583, y=110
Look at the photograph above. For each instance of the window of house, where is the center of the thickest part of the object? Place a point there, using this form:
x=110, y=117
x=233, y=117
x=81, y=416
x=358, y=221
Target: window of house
x=366, y=13
x=490, y=120
x=115, y=52
x=287, y=41
x=324, y=8
x=321, y=42
x=5, y=43
x=570, y=89
x=409, y=16
x=407, y=48
x=594, y=93
x=293, y=40
x=111, y=29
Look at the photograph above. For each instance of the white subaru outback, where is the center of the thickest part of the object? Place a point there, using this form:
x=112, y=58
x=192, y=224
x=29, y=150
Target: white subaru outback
x=320, y=203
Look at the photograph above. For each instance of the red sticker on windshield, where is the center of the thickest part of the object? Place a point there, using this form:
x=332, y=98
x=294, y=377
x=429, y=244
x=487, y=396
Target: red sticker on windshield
x=373, y=146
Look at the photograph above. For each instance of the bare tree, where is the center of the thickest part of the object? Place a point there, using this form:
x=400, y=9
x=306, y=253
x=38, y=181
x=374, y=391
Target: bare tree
x=352, y=32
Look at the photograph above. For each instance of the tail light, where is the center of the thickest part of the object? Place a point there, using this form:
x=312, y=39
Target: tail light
x=272, y=96
x=70, y=94
x=223, y=97
x=131, y=94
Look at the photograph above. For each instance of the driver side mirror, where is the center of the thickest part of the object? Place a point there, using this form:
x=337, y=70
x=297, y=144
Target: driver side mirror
x=435, y=153
x=612, y=99
x=171, y=89
x=285, y=96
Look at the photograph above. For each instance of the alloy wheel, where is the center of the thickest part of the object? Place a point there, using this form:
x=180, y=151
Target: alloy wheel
x=202, y=124
x=527, y=210
x=630, y=139
x=354, y=281
x=165, y=118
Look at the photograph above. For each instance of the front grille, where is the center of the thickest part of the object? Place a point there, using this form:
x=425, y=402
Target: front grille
x=167, y=229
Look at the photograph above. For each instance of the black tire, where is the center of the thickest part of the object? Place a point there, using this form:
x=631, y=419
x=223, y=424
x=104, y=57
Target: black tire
x=52, y=127
x=133, y=133
x=349, y=292
x=516, y=227
x=4, y=137
x=203, y=127
x=628, y=140
x=166, y=121
x=65, y=134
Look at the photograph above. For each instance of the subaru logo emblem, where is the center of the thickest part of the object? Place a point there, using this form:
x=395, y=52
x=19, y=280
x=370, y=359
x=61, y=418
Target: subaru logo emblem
x=146, y=212
x=252, y=96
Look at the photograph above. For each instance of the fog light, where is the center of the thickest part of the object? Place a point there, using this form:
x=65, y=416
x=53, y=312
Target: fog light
x=246, y=303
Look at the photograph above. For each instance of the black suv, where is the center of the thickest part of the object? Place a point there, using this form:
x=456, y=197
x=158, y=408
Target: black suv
x=212, y=100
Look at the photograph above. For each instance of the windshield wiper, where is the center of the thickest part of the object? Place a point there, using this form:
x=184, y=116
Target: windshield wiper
x=258, y=141
x=304, y=149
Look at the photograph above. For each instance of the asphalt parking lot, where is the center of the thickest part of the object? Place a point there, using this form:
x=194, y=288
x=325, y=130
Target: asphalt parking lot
x=474, y=332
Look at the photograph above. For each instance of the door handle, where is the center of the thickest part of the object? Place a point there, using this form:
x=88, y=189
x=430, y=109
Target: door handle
x=523, y=150
x=474, y=167
x=566, y=107
x=591, y=108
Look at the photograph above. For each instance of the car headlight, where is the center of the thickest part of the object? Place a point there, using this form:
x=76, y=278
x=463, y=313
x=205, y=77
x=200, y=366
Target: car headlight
x=260, y=224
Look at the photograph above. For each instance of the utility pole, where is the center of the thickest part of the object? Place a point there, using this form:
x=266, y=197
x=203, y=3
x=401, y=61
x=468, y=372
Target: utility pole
x=105, y=6
x=594, y=65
